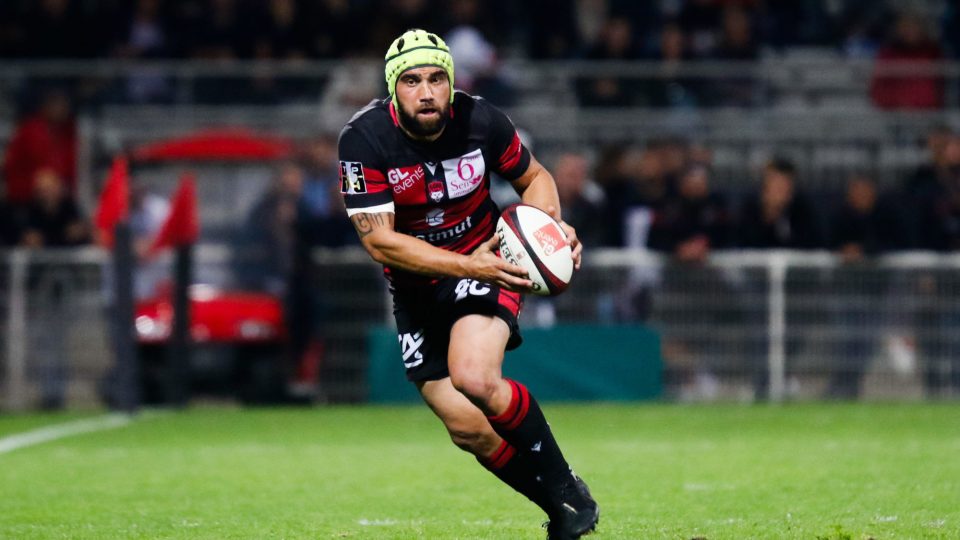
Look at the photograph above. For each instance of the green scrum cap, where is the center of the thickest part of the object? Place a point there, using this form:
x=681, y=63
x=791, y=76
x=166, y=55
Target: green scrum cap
x=416, y=48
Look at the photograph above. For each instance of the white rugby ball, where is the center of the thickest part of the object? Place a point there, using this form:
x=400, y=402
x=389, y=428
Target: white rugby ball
x=530, y=238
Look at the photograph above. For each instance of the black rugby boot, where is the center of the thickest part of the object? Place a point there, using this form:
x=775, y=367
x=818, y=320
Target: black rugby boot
x=576, y=513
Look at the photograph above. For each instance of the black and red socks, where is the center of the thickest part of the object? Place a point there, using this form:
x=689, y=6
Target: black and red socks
x=525, y=428
x=516, y=470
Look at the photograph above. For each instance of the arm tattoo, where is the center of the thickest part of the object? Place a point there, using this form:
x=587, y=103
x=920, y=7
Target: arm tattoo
x=366, y=223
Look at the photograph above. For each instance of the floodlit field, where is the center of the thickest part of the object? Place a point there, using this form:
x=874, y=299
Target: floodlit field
x=658, y=471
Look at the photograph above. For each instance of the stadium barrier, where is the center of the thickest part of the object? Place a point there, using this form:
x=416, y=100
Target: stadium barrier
x=745, y=326
x=565, y=362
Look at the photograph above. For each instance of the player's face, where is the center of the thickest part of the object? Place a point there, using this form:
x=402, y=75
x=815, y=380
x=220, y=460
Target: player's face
x=424, y=98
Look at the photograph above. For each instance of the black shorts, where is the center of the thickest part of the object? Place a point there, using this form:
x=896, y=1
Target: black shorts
x=426, y=314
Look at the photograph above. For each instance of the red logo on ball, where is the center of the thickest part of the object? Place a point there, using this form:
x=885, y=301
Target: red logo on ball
x=549, y=238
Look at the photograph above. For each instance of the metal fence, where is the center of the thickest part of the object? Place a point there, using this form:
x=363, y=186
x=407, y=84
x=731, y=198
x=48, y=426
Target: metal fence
x=745, y=326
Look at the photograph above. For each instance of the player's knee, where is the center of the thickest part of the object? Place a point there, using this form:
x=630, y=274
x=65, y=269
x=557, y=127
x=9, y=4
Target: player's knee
x=478, y=387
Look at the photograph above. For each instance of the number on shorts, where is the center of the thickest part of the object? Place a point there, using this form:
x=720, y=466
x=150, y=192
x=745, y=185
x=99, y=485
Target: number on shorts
x=470, y=286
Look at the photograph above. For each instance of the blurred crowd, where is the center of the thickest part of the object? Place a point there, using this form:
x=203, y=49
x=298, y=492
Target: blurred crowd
x=480, y=33
x=539, y=29
x=660, y=194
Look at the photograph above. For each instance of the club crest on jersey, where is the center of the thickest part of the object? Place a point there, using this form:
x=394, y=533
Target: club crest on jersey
x=351, y=178
x=435, y=189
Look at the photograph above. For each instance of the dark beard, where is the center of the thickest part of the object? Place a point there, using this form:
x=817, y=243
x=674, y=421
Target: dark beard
x=418, y=128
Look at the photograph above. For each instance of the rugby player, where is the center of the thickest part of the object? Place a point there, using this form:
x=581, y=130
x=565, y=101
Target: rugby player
x=415, y=175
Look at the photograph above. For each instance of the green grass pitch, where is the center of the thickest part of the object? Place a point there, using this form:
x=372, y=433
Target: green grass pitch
x=822, y=471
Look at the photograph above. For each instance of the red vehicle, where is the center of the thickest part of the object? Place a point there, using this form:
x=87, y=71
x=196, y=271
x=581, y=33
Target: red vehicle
x=239, y=336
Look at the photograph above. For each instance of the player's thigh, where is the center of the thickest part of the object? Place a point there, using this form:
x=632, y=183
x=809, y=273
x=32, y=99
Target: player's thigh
x=467, y=425
x=476, y=347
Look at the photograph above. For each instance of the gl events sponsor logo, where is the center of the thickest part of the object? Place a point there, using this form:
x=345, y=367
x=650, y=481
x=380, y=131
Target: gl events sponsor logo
x=549, y=238
x=404, y=178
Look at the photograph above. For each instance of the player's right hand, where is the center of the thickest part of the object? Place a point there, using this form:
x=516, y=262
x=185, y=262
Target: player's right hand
x=485, y=266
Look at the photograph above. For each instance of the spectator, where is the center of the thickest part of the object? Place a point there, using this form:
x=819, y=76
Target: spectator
x=616, y=43
x=282, y=33
x=936, y=191
x=930, y=173
x=53, y=218
x=474, y=56
x=692, y=222
x=55, y=29
x=910, y=46
x=864, y=226
x=336, y=28
x=46, y=139
x=669, y=89
x=320, y=221
x=737, y=43
x=555, y=35
x=780, y=216
x=582, y=200
x=9, y=227
x=937, y=214
x=144, y=35
x=636, y=186
x=396, y=16
x=691, y=293
x=219, y=31
x=700, y=20
x=270, y=230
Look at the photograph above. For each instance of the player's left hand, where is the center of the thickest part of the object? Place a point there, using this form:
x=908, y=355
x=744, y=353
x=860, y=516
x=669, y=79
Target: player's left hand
x=576, y=248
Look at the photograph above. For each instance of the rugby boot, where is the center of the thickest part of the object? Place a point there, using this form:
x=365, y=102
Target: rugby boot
x=576, y=514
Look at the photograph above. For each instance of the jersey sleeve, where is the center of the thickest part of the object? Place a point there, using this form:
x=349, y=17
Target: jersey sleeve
x=512, y=157
x=362, y=183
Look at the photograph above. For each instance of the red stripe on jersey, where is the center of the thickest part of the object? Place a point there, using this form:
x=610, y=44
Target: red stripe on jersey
x=479, y=234
x=510, y=300
x=373, y=174
x=376, y=181
x=511, y=156
x=414, y=218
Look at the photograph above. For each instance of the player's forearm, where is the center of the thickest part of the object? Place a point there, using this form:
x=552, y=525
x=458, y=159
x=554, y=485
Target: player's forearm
x=405, y=252
x=541, y=192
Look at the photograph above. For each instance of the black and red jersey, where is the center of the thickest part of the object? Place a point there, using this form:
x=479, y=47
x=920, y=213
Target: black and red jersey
x=439, y=191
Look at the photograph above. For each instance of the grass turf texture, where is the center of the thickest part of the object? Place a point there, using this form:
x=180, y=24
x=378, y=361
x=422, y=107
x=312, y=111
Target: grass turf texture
x=832, y=471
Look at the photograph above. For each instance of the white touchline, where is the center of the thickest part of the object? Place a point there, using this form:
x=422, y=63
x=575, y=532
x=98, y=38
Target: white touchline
x=60, y=431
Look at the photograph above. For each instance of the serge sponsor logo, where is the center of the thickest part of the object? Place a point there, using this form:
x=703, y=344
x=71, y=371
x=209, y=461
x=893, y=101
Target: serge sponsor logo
x=464, y=174
x=549, y=238
x=404, y=178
